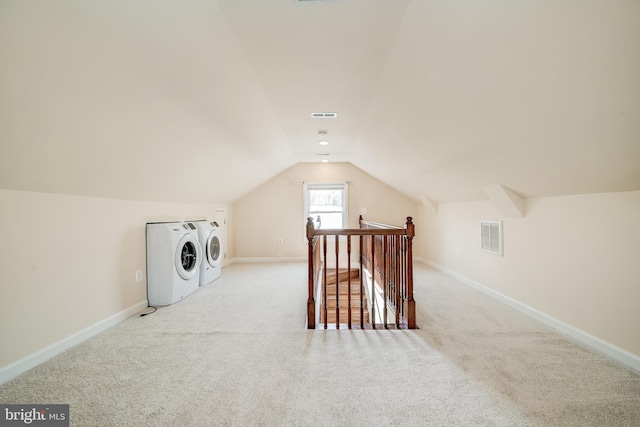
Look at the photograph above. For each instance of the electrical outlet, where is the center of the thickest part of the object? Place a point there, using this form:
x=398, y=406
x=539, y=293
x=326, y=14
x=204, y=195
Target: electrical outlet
x=280, y=240
x=363, y=211
x=138, y=276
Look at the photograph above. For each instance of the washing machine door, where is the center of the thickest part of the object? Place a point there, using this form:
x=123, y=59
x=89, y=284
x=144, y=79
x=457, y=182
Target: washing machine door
x=213, y=249
x=187, y=258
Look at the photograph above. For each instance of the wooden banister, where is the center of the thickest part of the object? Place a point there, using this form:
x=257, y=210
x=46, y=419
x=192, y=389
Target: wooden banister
x=385, y=253
x=314, y=268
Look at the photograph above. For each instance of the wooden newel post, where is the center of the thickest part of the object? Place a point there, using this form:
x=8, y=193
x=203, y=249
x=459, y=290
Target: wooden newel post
x=311, y=302
x=410, y=304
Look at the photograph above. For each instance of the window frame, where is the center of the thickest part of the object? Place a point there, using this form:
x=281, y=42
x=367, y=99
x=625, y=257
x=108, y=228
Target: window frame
x=343, y=186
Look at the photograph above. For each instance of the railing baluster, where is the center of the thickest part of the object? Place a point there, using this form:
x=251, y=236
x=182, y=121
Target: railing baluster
x=373, y=282
x=384, y=281
x=398, y=274
x=390, y=274
x=349, y=281
x=337, y=283
x=317, y=279
x=324, y=280
x=361, y=286
x=404, y=277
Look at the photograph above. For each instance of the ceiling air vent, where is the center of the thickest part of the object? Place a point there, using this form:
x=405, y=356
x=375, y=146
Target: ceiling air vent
x=323, y=115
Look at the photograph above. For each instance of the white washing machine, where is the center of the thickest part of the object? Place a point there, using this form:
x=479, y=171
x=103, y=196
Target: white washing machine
x=211, y=267
x=174, y=256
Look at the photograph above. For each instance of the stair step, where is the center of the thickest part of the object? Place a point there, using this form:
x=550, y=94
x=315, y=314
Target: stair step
x=331, y=294
x=343, y=275
x=355, y=316
x=344, y=291
x=331, y=303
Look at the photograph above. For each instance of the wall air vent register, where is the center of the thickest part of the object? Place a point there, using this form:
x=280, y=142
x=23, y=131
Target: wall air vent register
x=491, y=237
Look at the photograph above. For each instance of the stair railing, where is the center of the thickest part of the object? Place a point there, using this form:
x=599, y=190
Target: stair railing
x=389, y=260
x=315, y=267
x=386, y=252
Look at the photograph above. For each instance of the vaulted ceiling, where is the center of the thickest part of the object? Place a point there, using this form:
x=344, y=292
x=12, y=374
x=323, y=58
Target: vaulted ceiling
x=203, y=100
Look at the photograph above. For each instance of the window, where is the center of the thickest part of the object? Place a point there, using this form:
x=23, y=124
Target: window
x=328, y=202
x=491, y=236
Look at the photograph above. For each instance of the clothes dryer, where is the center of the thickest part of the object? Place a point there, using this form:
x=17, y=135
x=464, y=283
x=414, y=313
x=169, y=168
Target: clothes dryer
x=174, y=256
x=211, y=267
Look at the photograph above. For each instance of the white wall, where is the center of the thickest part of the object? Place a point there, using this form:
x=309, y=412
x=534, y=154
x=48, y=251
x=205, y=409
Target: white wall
x=574, y=258
x=68, y=262
x=276, y=208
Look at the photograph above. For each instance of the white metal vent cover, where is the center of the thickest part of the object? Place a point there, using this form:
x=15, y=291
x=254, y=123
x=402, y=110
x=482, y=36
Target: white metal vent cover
x=491, y=237
x=323, y=115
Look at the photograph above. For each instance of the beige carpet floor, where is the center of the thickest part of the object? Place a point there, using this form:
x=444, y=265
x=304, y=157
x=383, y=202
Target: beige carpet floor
x=236, y=353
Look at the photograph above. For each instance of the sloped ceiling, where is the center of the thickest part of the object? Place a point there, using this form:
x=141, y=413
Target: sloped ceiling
x=202, y=100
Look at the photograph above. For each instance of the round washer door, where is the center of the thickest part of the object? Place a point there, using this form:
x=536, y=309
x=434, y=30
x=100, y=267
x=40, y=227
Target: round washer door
x=213, y=249
x=187, y=258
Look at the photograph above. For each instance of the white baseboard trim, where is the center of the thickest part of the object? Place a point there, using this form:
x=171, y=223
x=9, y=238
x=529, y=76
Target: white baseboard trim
x=611, y=350
x=266, y=259
x=21, y=366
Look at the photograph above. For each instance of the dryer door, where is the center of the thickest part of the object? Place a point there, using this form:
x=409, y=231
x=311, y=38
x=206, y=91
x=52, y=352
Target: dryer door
x=213, y=249
x=188, y=257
